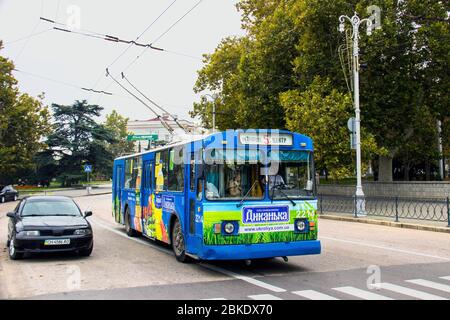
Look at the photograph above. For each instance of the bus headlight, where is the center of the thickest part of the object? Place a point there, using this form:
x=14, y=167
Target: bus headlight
x=301, y=225
x=230, y=228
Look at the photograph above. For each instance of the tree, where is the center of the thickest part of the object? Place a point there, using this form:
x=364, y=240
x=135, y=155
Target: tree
x=289, y=43
x=321, y=112
x=24, y=121
x=117, y=124
x=78, y=140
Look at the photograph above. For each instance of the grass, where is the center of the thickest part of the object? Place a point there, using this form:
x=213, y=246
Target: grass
x=211, y=238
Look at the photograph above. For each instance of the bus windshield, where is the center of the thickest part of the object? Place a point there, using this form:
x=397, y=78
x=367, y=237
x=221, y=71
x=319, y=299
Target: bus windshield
x=235, y=174
x=294, y=177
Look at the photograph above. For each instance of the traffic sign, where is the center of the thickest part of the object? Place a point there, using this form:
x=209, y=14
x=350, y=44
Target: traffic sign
x=87, y=168
x=351, y=124
x=138, y=137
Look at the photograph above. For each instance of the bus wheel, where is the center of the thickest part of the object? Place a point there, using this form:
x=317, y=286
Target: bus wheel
x=178, y=244
x=129, y=231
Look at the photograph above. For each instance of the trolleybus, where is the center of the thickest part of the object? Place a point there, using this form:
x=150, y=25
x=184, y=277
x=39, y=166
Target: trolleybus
x=239, y=194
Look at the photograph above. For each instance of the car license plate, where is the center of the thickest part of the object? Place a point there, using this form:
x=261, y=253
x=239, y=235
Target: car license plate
x=57, y=242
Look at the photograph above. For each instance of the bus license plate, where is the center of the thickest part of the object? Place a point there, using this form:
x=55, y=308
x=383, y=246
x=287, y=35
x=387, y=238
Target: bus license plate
x=57, y=242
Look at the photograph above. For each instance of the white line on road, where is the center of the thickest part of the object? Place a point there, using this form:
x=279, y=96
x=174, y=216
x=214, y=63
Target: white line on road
x=446, y=278
x=264, y=297
x=386, y=248
x=430, y=284
x=210, y=267
x=363, y=294
x=314, y=295
x=244, y=278
x=215, y=299
x=409, y=292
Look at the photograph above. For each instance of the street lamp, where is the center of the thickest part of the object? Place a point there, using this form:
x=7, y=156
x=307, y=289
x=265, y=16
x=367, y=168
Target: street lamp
x=214, y=97
x=356, y=22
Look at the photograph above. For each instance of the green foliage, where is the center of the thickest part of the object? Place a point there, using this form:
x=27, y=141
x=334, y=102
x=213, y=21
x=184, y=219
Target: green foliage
x=265, y=78
x=23, y=122
x=77, y=140
x=117, y=124
x=322, y=112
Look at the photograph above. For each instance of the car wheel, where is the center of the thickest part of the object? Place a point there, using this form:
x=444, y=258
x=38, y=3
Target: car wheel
x=178, y=244
x=13, y=254
x=87, y=252
x=2, y=199
x=15, y=197
x=130, y=232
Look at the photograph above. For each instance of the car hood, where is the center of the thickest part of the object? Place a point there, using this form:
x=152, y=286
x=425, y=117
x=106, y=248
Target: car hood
x=53, y=221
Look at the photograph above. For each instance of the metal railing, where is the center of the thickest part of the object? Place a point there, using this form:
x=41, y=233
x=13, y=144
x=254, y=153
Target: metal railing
x=391, y=207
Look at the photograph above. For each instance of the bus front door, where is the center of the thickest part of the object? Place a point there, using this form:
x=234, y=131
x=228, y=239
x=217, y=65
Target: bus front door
x=118, y=193
x=193, y=230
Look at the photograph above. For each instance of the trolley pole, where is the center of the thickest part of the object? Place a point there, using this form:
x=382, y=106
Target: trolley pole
x=356, y=22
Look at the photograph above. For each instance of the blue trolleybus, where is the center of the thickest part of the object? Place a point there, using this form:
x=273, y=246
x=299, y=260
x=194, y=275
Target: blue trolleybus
x=239, y=194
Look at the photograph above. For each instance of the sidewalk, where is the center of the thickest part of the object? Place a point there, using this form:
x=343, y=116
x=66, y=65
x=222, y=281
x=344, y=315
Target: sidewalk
x=426, y=225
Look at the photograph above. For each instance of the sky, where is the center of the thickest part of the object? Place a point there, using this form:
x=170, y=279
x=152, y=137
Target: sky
x=74, y=61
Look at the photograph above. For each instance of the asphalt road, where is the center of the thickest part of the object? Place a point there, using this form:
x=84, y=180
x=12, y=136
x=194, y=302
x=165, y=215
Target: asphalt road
x=405, y=264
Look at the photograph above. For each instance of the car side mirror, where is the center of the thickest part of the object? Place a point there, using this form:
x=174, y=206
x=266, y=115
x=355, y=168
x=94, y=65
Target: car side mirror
x=11, y=215
x=87, y=214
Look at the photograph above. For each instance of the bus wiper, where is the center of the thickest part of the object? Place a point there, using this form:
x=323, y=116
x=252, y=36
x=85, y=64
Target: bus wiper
x=286, y=197
x=246, y=195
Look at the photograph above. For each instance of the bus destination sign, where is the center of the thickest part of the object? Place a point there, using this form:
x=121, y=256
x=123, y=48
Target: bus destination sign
x=280, y=139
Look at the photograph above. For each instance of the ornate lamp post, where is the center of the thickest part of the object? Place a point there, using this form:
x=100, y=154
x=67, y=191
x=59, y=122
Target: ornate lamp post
x=355, y=22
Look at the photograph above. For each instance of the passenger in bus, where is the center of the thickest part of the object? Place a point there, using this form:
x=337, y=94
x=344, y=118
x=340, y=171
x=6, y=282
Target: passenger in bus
x=275, y=181
x=234, y=185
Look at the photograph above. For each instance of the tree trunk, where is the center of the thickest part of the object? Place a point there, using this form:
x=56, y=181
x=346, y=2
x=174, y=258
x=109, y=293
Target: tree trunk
x=427, y=170
x=406, y=172
x=385, y=169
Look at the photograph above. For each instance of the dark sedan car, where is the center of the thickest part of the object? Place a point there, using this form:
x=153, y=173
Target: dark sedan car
x=48, y=224
x=8, y=193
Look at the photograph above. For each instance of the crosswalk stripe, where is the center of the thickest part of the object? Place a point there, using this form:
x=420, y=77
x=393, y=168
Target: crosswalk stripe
x=430, y=284
x=409, y=292
x=363, y=294
x=314, y=295
x=264, y=297
x=446, y=278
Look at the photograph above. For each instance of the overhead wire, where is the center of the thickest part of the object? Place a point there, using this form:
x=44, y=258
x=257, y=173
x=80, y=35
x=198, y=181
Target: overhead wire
x=163, y=122
x=153, y=102
x=62, y=82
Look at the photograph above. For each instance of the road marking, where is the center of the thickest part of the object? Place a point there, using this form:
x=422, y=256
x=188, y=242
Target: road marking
x=138, y=240
x=314, y=295
x=446, y=278
x=264, y=297
x=363, y=294
x=210, y=267
x=215, y=299
x=430, y=284
x=409, y=292
x=244, y=278
x=386, y=248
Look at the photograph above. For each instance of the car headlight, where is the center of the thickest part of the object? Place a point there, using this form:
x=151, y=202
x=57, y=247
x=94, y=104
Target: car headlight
x=31, y=233
x=228, y=227
x=82, y=232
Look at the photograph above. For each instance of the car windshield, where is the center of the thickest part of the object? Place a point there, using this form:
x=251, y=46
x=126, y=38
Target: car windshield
x=50, y=208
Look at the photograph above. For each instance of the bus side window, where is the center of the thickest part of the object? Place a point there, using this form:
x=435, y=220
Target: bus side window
x=192, y=173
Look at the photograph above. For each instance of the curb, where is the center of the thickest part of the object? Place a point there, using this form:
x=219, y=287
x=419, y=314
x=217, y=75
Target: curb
x=387, y=223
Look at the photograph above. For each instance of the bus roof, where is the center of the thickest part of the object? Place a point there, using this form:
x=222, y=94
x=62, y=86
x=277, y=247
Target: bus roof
x=195, y=138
